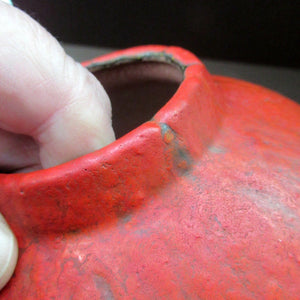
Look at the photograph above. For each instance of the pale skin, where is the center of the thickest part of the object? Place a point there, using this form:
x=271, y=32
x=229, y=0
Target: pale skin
x=52, y=110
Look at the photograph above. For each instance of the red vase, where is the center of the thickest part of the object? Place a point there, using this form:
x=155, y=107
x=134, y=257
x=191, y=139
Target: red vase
x=200, y=201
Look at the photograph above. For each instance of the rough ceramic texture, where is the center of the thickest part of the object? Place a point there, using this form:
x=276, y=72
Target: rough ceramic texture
x=202, y=201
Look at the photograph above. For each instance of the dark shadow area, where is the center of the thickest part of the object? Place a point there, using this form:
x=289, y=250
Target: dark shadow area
x=264, y=32
x=137, y=90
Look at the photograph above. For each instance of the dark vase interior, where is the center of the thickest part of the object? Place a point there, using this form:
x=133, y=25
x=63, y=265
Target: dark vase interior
x=137, y=90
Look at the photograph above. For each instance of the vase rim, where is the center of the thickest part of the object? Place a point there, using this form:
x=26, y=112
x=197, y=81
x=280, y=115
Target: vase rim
x=142, y=161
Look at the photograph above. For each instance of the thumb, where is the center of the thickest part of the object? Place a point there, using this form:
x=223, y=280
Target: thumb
x=47, y=95
x=8, y=252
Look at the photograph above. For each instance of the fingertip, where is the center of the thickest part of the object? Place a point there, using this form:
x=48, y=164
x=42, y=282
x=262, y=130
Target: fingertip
x=8, y=252
x=80, y=126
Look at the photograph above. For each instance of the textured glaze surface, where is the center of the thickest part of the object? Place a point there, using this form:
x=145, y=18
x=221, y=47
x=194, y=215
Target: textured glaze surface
x=202, y=201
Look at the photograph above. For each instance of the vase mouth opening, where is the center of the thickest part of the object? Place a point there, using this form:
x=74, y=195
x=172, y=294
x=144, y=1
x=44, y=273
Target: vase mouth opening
x=138, y=87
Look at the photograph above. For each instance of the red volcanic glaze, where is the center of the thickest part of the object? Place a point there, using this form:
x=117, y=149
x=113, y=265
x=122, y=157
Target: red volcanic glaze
x=202, y=201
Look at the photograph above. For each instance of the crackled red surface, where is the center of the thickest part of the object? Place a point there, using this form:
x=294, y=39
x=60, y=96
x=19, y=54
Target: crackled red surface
x=202, y=202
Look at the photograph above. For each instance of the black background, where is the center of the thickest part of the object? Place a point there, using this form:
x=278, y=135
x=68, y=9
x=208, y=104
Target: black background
x=251, y=31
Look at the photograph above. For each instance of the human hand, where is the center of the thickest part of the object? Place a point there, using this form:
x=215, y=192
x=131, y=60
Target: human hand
x=52, y=110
